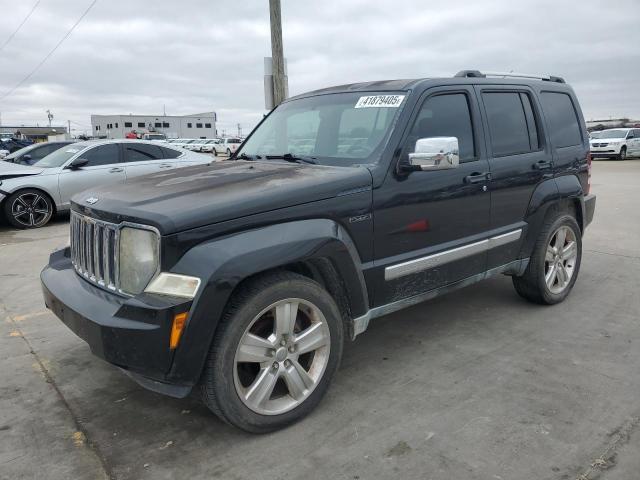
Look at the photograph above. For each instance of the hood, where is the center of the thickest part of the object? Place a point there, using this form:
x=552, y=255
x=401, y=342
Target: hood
x=191, y=197
x=11, y=170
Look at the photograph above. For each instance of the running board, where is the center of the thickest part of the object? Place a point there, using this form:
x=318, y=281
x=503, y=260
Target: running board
x=360, y=324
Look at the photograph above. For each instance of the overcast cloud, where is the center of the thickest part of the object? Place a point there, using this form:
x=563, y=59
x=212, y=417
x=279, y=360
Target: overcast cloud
x=201, y=55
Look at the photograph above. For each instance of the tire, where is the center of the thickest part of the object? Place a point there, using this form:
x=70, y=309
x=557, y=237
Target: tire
x=623, y=154
x=261, y=388
x=228, y=152
x=28, y=208
x=544, y=280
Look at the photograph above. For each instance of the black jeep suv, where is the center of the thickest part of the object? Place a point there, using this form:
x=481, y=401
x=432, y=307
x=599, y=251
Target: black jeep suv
x=244, y=277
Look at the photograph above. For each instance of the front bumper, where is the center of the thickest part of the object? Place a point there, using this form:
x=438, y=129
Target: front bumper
x=131, y=333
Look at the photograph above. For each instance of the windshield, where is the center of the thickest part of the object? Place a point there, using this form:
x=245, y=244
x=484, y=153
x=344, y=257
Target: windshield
x=613, y=134
x=336, y=129
x=60, y=156
x=22, y=151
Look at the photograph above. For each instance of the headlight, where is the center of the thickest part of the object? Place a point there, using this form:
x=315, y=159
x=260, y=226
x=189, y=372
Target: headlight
x=139, y=258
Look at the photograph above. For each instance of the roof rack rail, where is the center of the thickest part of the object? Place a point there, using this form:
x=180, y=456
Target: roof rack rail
x=479, y=74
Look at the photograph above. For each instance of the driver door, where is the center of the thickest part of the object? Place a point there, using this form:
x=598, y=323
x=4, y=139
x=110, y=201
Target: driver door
x=104, y=167
x=429, y=225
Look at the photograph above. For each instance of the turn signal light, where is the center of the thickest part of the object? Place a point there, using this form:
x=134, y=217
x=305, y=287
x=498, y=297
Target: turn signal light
x=179, y=321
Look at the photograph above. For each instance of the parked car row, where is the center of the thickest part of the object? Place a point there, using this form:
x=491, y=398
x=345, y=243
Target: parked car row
x=618, y=143
x=31, y=194
x=217, y=146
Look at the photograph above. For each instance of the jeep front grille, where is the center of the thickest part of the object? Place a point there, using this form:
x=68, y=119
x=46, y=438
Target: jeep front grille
x=94, y=250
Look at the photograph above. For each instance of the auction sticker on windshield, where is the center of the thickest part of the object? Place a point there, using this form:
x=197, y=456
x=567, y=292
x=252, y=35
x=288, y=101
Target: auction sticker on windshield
x=378, y=101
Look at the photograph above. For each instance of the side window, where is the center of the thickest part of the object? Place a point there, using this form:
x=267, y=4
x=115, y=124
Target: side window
x=141, y=152
x=170, y=152
x=563, y=121
x=507, y=121
x=445, y=116
x=102, y=155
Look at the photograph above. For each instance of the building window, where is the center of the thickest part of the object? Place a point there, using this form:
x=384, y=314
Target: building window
x=188, y=125
x=140, y=124
x=157, y=125
x=198, y=125
x=97, y=127
x=207, y=125
x=128, y=125
x=116, y=124
x=165, y=124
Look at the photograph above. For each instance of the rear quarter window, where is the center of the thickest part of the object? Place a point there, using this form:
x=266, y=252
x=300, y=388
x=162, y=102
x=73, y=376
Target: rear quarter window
x=563, y=120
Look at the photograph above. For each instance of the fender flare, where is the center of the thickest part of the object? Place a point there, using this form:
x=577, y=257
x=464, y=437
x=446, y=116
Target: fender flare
x=224, y=262
x=563, y=191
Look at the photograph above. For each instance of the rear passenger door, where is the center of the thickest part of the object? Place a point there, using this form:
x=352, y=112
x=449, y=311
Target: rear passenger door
x=144, y=158
x=519, y=160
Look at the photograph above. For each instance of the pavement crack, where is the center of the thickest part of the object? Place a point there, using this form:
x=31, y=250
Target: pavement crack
x=633, y=257
x=84, y=434
x=607, y=459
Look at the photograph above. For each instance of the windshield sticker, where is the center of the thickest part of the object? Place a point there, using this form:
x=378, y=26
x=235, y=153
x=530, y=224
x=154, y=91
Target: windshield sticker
x=380, y=101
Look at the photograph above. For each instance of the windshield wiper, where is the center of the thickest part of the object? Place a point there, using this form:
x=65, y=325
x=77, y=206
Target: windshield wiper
x=292, y=158
x=244, y=156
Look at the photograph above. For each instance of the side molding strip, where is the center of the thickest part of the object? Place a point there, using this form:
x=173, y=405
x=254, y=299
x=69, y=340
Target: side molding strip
x=431, y=261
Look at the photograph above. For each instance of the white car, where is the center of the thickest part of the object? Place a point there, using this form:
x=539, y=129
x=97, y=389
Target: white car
x=182, y=142
x=30, y=195
x=208, y=146
x=196, y=145
x=226, y=146
x=3, y=152
x=619, y=143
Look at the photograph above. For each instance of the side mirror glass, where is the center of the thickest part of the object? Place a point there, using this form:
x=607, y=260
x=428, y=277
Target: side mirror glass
x=77, y=163
x=435, y=153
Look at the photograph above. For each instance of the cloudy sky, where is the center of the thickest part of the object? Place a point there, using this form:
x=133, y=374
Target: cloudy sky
x=201, y=55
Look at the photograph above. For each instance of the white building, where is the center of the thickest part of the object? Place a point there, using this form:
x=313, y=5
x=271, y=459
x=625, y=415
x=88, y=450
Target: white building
x=198, y=125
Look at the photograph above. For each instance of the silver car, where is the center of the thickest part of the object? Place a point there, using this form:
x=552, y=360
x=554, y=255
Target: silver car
x=31, y=195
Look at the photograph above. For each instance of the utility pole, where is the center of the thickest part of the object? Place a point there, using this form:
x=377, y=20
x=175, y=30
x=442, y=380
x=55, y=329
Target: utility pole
x=277, y=53
x=50, y=117
x=239, y=130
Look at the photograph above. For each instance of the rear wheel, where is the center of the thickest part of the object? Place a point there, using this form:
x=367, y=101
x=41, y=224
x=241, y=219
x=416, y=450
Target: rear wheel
x=274, y=353
x=555, y=262
x=228, y=152
x=29, y=208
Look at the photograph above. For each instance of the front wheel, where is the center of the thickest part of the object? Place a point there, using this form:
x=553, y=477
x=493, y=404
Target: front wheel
x=228, y=152
x=623, y=154
x=28, y=208
x=554, y=264
x=274, y=353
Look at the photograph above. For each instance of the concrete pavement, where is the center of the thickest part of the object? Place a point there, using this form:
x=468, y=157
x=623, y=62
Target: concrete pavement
x=477, y=384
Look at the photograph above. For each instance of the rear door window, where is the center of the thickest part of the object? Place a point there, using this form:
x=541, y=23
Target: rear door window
x=563, y=120
x=170, y=152
x=508, y=126
x=142, y=152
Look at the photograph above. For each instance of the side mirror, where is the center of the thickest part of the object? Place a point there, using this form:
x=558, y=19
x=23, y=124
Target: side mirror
x=435, y=153
x=26, y=157
x=77, y=163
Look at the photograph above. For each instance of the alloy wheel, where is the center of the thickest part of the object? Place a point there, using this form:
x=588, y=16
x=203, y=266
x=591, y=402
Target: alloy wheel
x=560, y=259
x=281, y=356
x=30, y=209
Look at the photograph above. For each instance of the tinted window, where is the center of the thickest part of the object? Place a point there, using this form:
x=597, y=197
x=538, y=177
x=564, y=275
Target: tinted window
x=44, y=151
x=170, y=152
x=507, y=123
x=102, y=155
x=445, y=116
x=562, y=118
x=141, y=152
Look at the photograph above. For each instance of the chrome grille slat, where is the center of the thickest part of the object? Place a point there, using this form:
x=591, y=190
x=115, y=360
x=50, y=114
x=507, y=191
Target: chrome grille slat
x=94, y=250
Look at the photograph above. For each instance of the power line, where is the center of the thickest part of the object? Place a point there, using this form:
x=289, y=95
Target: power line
x=19, y=84
x=19, y=26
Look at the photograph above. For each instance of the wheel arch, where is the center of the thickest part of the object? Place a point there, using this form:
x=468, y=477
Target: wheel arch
x=562, y=193
x=319, y=249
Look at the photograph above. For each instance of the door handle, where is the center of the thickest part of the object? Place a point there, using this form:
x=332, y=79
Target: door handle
x=477, y=177
x=116, y=170
x=166, y=165
x=543, y=165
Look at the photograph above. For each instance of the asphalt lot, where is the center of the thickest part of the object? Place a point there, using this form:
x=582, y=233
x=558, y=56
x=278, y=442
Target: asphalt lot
x=477, y=384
